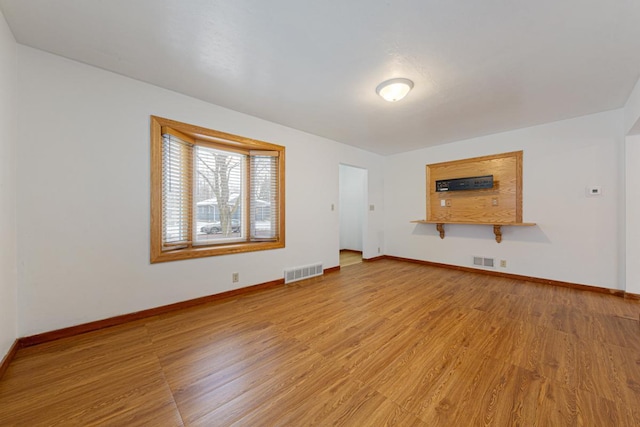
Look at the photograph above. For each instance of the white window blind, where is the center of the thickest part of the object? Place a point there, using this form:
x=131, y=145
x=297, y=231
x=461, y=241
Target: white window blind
x=264, y=195
x=176, y=194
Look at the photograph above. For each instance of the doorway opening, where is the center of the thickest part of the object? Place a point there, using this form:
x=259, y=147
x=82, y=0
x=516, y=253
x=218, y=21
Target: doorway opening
x=353, y=210
x=348, y=257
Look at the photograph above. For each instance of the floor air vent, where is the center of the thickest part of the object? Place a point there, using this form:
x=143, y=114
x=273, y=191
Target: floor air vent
x=299, y=273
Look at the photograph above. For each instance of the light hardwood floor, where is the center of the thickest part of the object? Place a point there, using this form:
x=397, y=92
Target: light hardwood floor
x=348, y=257
x=378, y=343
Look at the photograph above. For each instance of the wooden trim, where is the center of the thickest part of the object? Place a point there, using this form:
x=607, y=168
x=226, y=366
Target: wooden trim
x=176, y=133
x=515, y=224
x=8, y=358
x=222, y=146
x=216, y=136
x=125, y=318
x=518, y=155
x=479, y=159
x=428, y=192
x=205, y=251
x=156, y=190
x=633, y=297
x=281, y=198
x=350, y=251
x=375, y=258
x=551, y=282
x=332, y=269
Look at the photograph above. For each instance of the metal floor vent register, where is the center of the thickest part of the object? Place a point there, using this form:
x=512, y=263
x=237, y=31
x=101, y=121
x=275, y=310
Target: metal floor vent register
x=484, y=262
x=299, y=273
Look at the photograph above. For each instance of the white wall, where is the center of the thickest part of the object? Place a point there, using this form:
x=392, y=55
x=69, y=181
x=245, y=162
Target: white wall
x=353, y=187
x=632, y=184
x=632, y=112
x=83, y=197
x=8, y=276
x=633, y=214
x=576, y=239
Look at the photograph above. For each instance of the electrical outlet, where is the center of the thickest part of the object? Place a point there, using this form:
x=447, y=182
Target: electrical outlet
x=593, y=191
x=378, y=249
x=494, y=201
x=503, y=263
x=235, y=277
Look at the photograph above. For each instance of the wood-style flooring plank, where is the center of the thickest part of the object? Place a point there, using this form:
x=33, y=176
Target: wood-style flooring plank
x=378, y=343
x=121, y=374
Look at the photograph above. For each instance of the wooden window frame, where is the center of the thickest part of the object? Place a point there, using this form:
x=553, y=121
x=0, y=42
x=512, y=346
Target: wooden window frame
x=223, y=140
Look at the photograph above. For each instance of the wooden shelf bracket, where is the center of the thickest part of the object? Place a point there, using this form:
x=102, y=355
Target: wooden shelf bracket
x=497, y=230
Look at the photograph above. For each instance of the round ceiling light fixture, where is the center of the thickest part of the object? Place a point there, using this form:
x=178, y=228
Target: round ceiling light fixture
x=395, y=89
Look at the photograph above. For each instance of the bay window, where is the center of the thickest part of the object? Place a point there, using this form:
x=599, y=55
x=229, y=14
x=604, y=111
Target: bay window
x=213, y=193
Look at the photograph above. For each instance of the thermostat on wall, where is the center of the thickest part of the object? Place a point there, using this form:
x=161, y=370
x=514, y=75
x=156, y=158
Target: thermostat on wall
x=593, y=191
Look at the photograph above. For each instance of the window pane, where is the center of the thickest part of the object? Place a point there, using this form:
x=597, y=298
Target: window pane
x=218, y=195
x=264, y=193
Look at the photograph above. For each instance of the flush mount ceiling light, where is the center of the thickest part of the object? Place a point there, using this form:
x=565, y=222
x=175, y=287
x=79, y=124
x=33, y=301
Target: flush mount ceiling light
x=395, y=89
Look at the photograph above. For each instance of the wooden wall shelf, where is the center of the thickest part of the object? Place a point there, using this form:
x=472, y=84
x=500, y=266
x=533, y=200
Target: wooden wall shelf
x=500, y=204
x=497, y=227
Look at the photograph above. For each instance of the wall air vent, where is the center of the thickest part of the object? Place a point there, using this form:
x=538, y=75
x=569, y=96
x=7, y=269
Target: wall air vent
x=483, y=262
x=304, y=272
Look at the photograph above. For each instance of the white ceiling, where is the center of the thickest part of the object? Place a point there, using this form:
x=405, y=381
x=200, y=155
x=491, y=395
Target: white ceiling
x=479, y=67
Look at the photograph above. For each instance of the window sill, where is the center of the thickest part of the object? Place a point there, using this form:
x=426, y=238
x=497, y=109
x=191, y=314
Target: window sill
x=208, y=251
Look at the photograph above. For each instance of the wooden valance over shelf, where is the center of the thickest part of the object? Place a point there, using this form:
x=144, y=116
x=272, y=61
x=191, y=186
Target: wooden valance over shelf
x=497, y=227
